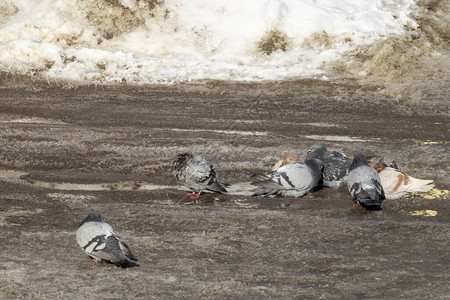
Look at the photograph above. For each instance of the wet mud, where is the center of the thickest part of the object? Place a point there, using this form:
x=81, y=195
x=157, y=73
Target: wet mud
x=66, y=151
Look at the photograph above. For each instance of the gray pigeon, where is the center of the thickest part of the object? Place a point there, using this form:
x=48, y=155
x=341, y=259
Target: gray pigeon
x=198, y=175
x=335, y=165
x=364, y=184
x=292, y=180
x=99, y=241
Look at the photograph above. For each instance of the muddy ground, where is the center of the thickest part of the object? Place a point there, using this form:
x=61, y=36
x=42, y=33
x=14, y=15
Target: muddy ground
x=67, y=151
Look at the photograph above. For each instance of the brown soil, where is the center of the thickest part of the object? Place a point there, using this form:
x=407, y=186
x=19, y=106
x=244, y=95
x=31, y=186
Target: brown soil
x=65, y=140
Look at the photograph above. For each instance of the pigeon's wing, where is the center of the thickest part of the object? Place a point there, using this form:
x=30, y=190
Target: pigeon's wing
x=221, y=182
x=92, y=238
x=288, y=177
x=260, y=176
x=298, y=175
x=364, y=185
x=336, y=165
x=392, y=180
x=397, y=184
x=99, y=241
x=202, y=173
x=357, y=180
x=126, y=251
x=113, y=252
x=354, y=182
x=269, y=184
x=376, y=180
x=89, y=233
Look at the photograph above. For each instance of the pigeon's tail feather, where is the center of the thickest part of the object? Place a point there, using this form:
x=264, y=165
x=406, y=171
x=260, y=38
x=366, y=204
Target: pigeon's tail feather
x=126, y=263
x=261, y=176
x=223, y=183
x=369, y=199
x=126, y=251
x=370, y=194
x=370, y=204
x=216, y=187
x=421, y=185
x=268, y=184
x=264, y=192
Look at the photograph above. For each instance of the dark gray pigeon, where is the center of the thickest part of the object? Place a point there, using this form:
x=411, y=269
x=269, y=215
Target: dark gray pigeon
x=335, y=165
x=364, y=184
x=292, y=180
x=198, y=175
x=98, y=240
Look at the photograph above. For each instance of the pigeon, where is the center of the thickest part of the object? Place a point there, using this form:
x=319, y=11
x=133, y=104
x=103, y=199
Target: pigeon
x=100, y=243
x=292, y=180
x=397, y=184
x=198, y=175
x=335, y=165
x=364, y=184
x=389, y=162
x=287, y=159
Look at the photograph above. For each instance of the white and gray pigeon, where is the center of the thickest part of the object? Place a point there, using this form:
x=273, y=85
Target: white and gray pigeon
x=292, y=180
x=198, y=175
x=101, y=244
x=335, y=165
x=364, y=184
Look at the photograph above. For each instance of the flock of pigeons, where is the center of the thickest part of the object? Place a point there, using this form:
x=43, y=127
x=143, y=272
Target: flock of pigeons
x=368, y=184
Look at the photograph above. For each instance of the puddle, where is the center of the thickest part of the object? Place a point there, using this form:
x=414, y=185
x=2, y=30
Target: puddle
x=233, y=132
x=116, y=186
x=320, y=124
x=33, y=121
x=11, y=174
x=242, y=188
x=337, y=138
x=429, y=142
x=17, y=212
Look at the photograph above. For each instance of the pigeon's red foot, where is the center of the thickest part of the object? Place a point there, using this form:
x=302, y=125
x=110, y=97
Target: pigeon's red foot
x=94, y=261
x=357, y=204
x=193, y=195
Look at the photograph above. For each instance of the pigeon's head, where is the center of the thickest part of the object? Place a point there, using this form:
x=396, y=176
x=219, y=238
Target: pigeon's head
x=358, y=160
x=388, y=161
x=288, y=159
x=315, y=147
x=316, y=151
x=181, y=160
x=92, y=217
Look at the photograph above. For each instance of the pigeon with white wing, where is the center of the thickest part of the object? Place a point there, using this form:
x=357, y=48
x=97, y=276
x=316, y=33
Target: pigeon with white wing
x=397, y=184
x=101, y=244
x=292, y=180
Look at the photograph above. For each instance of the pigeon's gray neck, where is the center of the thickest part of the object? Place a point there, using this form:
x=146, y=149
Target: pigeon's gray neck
x=319, y=152
x=313, y=163
x=92, y=217
x=358, y=161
